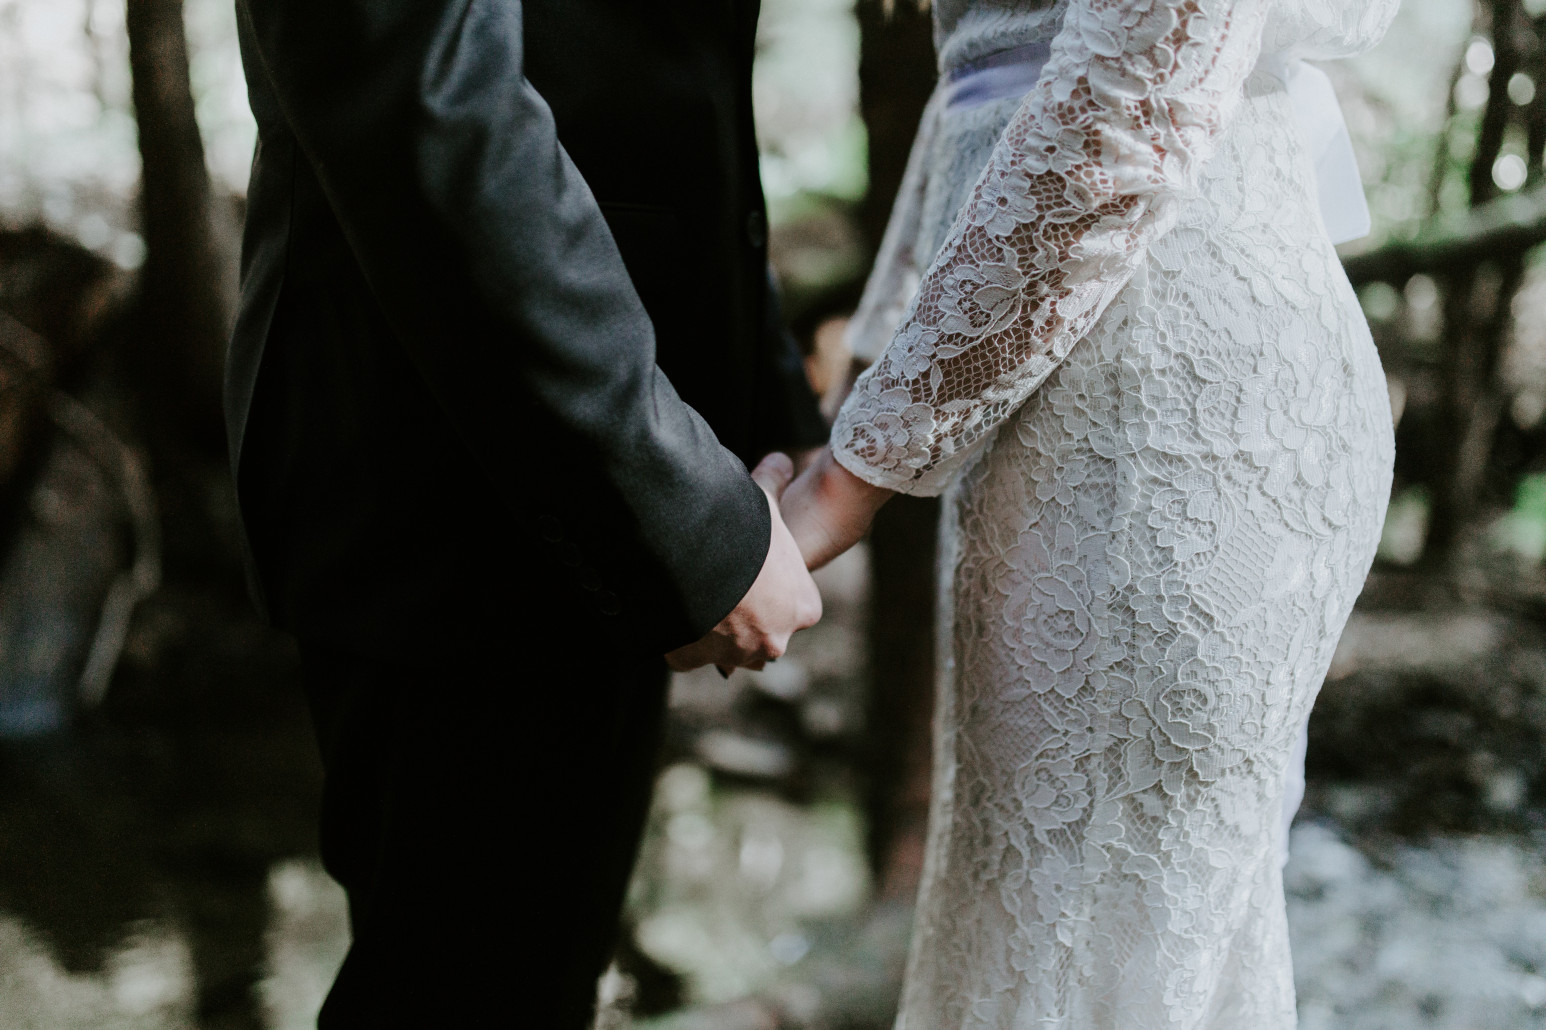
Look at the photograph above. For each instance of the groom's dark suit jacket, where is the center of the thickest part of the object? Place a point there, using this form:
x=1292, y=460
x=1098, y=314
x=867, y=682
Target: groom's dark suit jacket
x=506, y=337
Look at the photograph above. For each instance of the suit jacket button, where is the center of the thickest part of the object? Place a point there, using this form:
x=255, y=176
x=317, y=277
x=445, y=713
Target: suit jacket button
x=569, y=554
x=549, y=529
x=590, y=579
x=607, y=602
x=757, y=229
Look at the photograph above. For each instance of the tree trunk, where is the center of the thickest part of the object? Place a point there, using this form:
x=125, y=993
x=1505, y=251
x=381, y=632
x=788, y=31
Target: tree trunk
x=1477, y=315
x=901, y=642
x=187, y=287
x=896, y=76
x=25, y=378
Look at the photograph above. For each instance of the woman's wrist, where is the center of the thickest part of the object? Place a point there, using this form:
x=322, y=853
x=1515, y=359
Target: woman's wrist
x=829, y=509
x=841, y=490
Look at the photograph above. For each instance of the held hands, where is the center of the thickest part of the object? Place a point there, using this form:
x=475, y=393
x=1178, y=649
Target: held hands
x=824, y=513
x=782, y=600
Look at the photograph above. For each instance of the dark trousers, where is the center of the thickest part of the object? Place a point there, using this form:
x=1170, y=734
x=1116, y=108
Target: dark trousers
x=483, y=816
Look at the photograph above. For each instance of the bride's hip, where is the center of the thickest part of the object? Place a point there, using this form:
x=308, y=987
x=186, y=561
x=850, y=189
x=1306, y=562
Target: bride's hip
x=1197, y=404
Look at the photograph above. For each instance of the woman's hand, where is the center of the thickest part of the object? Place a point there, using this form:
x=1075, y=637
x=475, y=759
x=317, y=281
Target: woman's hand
x=829, y=509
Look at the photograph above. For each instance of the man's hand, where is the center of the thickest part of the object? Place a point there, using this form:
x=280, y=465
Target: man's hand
x=782, y=600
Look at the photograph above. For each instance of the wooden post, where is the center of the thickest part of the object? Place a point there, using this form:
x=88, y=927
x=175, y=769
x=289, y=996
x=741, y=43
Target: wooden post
x=187, y=287
x=1477, y=314
x=896, y=76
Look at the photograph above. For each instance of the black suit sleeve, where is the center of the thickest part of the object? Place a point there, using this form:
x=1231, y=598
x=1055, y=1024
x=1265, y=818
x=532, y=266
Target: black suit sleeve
x=487, y=252
x=788, y=417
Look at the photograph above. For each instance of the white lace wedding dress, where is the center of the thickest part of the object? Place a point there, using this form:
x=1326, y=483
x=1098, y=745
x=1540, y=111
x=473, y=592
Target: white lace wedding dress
x=1138, y=368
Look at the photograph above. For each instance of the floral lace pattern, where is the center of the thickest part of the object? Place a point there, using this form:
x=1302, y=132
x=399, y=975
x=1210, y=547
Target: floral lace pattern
x=1085, y=176
x=1138, y=367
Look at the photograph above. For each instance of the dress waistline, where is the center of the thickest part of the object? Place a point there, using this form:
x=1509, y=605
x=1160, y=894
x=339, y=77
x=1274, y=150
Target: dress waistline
x=1004, y=73
x=1344, y=211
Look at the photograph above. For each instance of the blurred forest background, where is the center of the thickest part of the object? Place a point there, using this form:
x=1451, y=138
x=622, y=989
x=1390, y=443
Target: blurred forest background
x=157, y=781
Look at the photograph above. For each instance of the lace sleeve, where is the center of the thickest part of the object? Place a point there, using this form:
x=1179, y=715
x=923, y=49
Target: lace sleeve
x=1085, y=177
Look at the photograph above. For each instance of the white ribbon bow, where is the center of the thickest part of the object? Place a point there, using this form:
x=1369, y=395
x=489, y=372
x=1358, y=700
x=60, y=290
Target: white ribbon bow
x=1344, y=209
